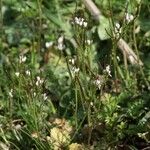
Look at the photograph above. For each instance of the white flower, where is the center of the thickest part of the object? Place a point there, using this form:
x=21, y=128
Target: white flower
x=76, y=20
x=60, y=41
x=48, y=44
x=118, y=58
x=108, y=70
x=34, y=135
x=75, y=70
x=22, y=59
x=89, y=42
x=17, y=74
x=44, y=96
x=39, y=81
x=80, y=21
x=117, y=25
x=38, y=78
x=117, y=29
x=28, y=72
x=98, y=83
x=60, y=46
x=85, y=24
x=129, y=17
x=72, y=61
x=10, y=93
x=91, y=103
x=34, y=94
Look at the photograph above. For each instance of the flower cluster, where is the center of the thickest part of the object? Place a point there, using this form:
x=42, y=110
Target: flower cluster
x=108, y=71
x=128, y=17
x=22, y=59
x=117, y=29
x=98, y=83
x=80, y=21
x=39, y=81
x=75, y=70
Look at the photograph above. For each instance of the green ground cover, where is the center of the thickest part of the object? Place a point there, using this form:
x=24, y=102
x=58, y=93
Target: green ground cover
x=70, y=80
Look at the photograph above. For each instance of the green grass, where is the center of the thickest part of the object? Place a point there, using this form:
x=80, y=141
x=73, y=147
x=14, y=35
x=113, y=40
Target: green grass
x=67, y=85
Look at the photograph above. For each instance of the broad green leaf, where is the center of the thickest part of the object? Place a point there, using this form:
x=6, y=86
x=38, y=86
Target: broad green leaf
x=104, y=28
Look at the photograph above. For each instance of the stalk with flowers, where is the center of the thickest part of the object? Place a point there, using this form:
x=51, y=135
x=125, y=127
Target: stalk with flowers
x=76, y=81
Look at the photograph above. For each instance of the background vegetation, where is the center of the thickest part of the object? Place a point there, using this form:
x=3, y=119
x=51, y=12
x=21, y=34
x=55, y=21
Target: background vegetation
x=65, y=84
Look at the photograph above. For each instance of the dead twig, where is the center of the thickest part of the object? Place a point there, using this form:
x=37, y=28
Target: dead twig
x=122, y=45
x=95, y=12
x=132, y=57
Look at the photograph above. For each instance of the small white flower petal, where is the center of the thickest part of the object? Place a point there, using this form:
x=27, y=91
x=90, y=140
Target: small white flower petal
x=28, y=72
x=48, y=44
x=17, y=74
x=85, y=24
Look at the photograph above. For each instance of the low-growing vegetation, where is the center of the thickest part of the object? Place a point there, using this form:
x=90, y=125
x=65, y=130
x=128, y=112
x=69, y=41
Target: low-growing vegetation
x=74, y=75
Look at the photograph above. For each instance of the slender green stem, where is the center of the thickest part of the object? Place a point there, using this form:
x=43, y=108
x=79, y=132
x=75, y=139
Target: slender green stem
x=1, y=15
x=39, y=3
x=89, y=124
x=76, y=105
x=1, y=24
x=136, y=48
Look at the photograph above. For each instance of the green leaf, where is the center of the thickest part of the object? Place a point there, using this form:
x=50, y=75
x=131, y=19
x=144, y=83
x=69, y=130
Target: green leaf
x=145, y=24
x=104, y=28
